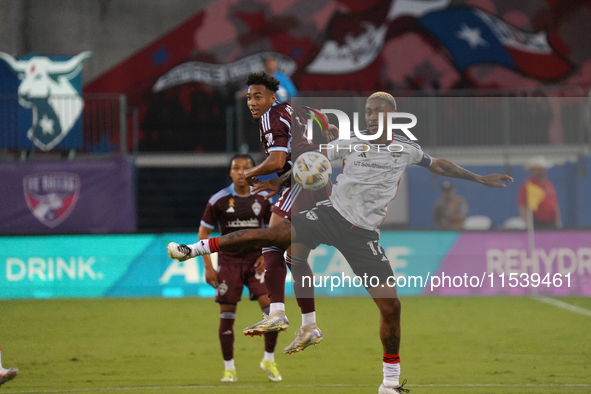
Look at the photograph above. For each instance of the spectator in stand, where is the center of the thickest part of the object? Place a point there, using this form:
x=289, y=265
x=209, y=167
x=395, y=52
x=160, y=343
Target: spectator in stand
x=450, y=211
x=287, y=89
x=537, y=197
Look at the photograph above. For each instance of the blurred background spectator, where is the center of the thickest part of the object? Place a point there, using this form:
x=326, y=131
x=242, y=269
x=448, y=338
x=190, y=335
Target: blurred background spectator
x=538, y=204
x=287, y=89
x=450, y=211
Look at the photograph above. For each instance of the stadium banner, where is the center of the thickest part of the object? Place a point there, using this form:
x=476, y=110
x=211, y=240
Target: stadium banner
x=329, y=46
x=67, y=197
x=424, y=263
x=41, y=103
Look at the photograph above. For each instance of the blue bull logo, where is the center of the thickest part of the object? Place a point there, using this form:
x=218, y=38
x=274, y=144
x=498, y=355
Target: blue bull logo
x=46, y=90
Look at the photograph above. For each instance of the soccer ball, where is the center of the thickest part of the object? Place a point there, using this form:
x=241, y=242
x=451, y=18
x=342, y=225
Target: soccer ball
x=312, y=170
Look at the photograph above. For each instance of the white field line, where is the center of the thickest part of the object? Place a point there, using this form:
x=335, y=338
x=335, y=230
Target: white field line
x=564, y=305
x=459, y=385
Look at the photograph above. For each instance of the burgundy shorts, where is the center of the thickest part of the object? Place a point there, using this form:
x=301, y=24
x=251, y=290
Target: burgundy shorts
x=231, y=280
x=297, y=199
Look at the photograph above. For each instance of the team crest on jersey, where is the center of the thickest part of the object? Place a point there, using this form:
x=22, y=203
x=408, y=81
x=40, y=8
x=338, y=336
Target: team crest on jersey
x=256, y=208
x=51, y=197
x=222, y=288
x=269, y=138
x=396, y=156
x=312, y=215
x=230, y=206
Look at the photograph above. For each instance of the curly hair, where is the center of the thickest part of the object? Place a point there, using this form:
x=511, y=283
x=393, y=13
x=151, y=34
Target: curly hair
x=387, y=97
x=241, y=156
x=262, y=78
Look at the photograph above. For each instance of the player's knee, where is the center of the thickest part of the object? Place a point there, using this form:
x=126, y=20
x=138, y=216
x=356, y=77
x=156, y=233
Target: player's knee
x=390, y=309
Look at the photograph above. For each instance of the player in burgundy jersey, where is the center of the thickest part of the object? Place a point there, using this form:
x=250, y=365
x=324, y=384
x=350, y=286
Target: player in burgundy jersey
x=280, y=141
x=237, y=208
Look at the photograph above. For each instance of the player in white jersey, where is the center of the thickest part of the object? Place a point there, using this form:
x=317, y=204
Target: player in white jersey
x=349, y=220
x=370, y=176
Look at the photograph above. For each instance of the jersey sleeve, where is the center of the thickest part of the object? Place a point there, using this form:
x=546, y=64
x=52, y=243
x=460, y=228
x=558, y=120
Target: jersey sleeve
x=210, y=217
x=418, y=157
x=280, y=129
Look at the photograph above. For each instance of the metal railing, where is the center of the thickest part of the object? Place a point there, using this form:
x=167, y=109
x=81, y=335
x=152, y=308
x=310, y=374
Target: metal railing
x=462, y=119
x=87, y=124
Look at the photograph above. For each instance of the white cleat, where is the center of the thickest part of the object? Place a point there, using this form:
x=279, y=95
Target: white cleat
x=306, y=335
x=395, y=389
x=179, y=252
x=7, y=374
x=274, y=321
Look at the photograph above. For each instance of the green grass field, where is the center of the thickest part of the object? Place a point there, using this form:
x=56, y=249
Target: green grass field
x=449, y=345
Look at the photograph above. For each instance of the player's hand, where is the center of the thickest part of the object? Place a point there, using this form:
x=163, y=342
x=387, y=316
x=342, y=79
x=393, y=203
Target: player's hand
x=331, y=134
x=259, y=265
x=271, y=185
x=211, y=277
x=253, y=180
x=495, y=180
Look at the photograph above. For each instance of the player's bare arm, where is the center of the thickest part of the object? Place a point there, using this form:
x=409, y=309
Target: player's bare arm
x=332, y=132
x=447, y=168
x=273, y=185
x=211, y=276
x=273, y=163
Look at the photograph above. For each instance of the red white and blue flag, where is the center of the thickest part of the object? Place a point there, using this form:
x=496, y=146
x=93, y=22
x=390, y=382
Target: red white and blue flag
x=473, y=36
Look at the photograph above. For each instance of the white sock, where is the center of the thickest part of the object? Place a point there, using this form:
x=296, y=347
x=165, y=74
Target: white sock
x=1, y=359
x=308, y=318
x=277, y=306
x=269, y=356
x=229, y=364
x=391, y=374
x=200, y=248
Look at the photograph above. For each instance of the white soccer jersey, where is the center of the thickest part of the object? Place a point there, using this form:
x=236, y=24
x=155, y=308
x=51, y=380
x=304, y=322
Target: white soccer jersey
x=370, y=177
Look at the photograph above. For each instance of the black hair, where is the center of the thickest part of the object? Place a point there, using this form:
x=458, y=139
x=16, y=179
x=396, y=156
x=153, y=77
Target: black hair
x=240, y=156
x=262, y=78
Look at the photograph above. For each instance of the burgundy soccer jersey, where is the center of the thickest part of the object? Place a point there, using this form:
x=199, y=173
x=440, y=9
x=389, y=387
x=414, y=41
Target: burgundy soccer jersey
x=233, y=212
x=279, y=133
x=299, y=142
x=283, y=128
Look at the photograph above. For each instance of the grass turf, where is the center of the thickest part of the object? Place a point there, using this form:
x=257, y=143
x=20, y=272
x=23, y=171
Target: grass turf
x=449, y=345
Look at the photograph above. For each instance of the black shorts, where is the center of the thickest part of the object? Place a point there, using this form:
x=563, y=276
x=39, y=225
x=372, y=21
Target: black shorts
x=361, y=247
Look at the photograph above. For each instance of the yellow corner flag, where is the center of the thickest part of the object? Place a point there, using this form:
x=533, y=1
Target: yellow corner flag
x=535, y=196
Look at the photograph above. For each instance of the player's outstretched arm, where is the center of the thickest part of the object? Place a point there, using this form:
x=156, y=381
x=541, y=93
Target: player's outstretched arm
x=447, y=168
x=273, y=185
x=273, y=163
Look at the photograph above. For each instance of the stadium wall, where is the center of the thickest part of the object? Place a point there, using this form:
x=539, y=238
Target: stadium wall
x=72, y=197
x=424, y=263
x=571, y=180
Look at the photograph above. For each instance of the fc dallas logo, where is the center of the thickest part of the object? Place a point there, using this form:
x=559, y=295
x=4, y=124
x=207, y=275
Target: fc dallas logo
x=51, y=197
